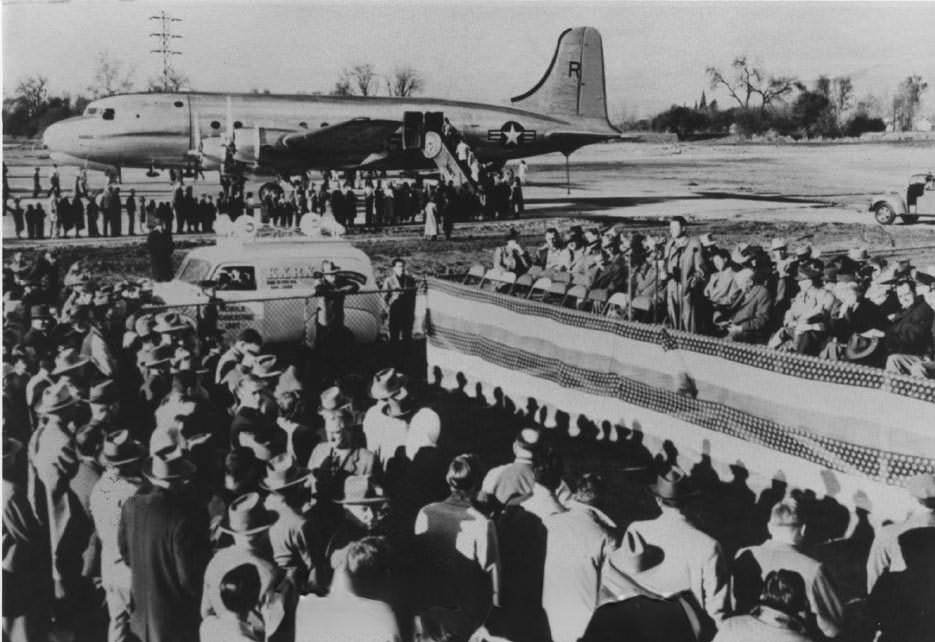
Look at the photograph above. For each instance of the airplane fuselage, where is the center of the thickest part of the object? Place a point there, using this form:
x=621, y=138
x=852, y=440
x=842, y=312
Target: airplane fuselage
x=160, y=130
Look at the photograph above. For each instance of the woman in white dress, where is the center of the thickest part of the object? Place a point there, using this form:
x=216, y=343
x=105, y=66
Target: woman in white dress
x=431, y=219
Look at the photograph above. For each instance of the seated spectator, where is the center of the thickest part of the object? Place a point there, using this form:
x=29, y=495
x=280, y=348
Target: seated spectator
x=722, y=291
x=611, y=270
x=648, y=288
x=749, y=320
x=511, y=257
x=356, y=607
x=577, y=259
x=550, y=256
x=853, y=317
x=901, y=603
x=778, y=616
x=908, y=340
x=805, y=326
x=783, y=551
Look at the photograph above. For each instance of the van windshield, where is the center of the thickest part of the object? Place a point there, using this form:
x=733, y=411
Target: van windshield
x=194, y=271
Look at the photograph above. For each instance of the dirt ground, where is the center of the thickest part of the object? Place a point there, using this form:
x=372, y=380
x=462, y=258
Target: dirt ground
x=815, y=194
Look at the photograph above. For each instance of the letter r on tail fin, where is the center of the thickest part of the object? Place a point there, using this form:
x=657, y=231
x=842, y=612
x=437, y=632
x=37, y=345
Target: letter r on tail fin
x=573, y=85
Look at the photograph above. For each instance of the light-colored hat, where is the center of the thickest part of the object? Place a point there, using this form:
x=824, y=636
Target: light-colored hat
x=635, y=555
x=264, y=367
x=283, y=472
x=167, y=322
x=168, y=465
x=778, y=243
x=144, y=325
x=247, y=516
x=858, y=254
x=58, y=396
x=119, y=449
x=156, y=356
x=333, y=399
x=387, y=382
x=707, y=240
x=67, y=360
x=360, y=489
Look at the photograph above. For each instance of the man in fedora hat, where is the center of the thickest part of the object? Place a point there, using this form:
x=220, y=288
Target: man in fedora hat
x=122, y=479
x=783, y=551
x=385, y=431
x=155, y=365
x=692, y=561
x=886, y=553
x=750, y=317
x=295, y=536
x=248, y=524
x=293, y=420
x=909, y=340
x=337, y=458
x=38, y=340
x=805, y=324
x=54, y=462
x=163, y=538
x=684, y=277
x=629, y=606
x=249, y=343
x=366, y=511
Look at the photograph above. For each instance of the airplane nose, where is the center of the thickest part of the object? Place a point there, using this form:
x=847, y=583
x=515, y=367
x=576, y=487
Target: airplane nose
x=60, y=137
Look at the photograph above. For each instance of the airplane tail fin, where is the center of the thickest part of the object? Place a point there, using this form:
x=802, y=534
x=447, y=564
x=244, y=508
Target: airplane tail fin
x=573, y=86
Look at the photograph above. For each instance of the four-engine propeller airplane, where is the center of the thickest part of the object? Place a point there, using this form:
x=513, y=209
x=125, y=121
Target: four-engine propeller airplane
x=277, y=134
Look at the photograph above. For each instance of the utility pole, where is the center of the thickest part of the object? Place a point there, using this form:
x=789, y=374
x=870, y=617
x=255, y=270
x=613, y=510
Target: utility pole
x=165, y=37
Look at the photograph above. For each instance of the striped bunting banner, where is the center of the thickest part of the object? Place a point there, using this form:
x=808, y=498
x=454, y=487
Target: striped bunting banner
x=780, y=414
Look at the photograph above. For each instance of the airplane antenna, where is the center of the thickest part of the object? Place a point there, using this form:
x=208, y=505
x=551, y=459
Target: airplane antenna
x=165, y=38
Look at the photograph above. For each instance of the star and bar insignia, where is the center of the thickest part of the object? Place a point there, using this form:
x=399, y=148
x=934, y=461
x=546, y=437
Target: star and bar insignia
x=511, y=134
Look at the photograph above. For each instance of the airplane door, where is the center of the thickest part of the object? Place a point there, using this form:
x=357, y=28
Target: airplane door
x=413, y=127
x=435, y=121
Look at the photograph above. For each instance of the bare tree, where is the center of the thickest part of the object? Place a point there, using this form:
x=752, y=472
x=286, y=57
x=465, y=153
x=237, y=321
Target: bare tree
x=110, y=76
x=175, y=82
x=32, y=92
x=842, y=96
x=906, y=102
x=747, y=81
x=405, y=81
x=342, y=88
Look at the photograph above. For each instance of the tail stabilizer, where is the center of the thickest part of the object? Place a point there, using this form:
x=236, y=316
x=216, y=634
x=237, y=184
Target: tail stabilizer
x=573, y=86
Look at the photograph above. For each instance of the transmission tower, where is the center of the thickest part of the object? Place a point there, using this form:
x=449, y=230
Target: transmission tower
x=165, y=38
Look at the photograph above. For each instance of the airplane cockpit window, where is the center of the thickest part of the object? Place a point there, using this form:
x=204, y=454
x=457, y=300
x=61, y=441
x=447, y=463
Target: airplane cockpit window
x=237, y=278
x=108, y=114
x=215, y=124
x=237, y=124
x=179, y=103
x=90, y=111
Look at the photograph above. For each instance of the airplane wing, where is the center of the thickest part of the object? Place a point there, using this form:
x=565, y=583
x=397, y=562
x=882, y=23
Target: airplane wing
x=357, y=136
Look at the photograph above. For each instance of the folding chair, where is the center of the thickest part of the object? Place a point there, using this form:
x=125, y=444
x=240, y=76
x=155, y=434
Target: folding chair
x=535, y=272
x=540, y=288
x=523, y=285
x=502, y=281
x=475, y=275
x=597, y=300
x=617, y=305
x=579, y=278
x=556, y=293
x=575, y=297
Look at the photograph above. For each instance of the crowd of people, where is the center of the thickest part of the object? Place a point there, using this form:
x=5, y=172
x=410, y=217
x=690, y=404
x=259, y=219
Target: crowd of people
x=161, y=485
x=849, y=307
x=355, y=200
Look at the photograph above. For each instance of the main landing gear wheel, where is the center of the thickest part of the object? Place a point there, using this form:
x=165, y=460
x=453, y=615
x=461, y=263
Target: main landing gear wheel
x=271, y=189
x=884, y=214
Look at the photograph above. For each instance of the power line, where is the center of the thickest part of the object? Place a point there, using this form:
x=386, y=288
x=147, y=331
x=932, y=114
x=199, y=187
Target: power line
x=165, y=37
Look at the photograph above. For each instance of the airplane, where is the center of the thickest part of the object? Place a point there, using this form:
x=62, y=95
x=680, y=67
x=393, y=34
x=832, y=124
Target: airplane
x=289, y=134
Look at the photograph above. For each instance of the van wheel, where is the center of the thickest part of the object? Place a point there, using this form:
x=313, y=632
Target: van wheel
x=884, y=214
x=271, y=189
x=909, y=219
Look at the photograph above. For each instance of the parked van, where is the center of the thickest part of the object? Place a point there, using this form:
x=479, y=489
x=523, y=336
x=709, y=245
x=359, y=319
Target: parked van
x=267, y=284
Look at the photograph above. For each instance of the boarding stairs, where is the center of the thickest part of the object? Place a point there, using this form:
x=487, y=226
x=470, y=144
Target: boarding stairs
x=426, y=131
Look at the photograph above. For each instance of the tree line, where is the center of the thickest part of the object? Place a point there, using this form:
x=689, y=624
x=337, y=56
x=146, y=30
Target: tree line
x=763, y=103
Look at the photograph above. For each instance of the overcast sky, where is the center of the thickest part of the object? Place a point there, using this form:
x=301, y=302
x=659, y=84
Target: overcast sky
x=655, y=52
